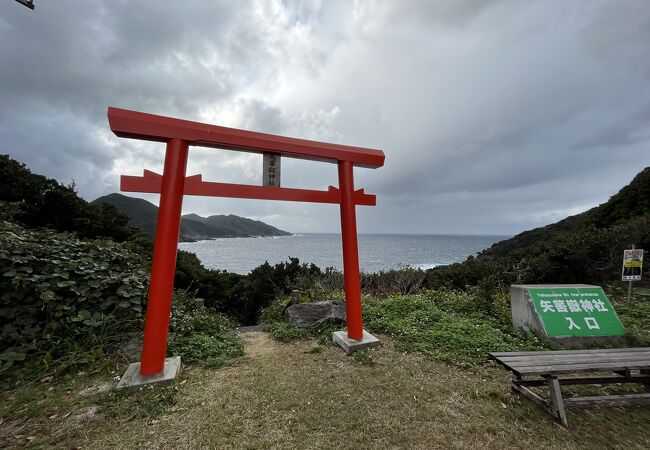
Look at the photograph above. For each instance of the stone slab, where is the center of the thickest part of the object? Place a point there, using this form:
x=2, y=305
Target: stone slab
x=133, y=380
x=352, y=345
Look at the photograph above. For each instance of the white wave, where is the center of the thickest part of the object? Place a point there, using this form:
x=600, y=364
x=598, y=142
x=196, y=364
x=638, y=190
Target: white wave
x=425, y=266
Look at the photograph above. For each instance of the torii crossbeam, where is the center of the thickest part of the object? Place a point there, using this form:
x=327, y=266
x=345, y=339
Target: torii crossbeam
x=173, y=184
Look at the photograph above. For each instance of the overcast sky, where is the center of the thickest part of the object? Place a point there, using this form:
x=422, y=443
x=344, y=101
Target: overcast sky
x=495, y=116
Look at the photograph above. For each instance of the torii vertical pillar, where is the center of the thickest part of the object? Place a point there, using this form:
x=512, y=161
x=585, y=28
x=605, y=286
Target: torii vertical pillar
x=153, y=366
x=355, y=338
x=351, y=275
x=163, y=265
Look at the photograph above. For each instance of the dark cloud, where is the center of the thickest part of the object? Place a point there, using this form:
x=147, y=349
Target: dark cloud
x=495, y=116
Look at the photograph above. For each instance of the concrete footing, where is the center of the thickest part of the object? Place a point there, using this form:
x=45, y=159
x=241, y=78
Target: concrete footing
x=133, y=380
x=352, y=345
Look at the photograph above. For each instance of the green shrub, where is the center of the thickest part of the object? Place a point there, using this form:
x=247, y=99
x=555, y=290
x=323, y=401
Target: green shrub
x=257, y=290
x=58, y=293
x=287, y=332
x=200, y=334
x=405, y=281
x=443, y=326
x=212, y=350
x=274, y=312
x=214, y=286
x=635, y=314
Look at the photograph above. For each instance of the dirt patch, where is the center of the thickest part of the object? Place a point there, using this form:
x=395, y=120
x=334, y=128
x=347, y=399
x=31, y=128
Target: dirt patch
x=258, y=344
x=96, y=389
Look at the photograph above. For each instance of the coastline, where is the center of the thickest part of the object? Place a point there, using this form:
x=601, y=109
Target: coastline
x=377, y=252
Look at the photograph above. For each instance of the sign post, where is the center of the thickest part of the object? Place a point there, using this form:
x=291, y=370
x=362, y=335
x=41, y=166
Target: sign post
x=632, y=267
x=271, y=170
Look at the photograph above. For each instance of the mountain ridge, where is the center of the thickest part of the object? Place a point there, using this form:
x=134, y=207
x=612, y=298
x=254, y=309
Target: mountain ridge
x=144, y=214
x=630, y=202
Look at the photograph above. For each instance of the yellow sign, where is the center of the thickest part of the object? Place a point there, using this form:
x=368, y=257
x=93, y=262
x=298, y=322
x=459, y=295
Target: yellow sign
x=632, y=264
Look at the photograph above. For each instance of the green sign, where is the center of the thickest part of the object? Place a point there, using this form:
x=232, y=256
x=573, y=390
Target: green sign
x=576, y=312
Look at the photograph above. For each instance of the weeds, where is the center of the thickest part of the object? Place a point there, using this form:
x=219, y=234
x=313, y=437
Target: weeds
x=201, y=335
x=363, y=357
x=149, y=401
x=286, y=332
x=442, y=326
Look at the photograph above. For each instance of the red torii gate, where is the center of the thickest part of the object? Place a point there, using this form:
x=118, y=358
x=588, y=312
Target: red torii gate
x=173, y=184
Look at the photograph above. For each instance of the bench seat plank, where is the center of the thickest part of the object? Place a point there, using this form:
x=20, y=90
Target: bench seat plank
x=568, y=359
x=572, y=352
x=581, y=367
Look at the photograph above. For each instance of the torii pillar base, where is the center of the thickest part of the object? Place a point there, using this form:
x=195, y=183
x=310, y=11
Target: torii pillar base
x=133, y=379
x=352, y=345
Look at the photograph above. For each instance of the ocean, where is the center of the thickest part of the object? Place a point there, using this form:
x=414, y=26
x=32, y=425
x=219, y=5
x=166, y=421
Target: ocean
x=376, y=251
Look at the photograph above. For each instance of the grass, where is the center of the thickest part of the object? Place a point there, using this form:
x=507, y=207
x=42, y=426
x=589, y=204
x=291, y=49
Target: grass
x=635, y=316
x=456, y=327
x=284, y=396
x=443, y=325
x=294, y=389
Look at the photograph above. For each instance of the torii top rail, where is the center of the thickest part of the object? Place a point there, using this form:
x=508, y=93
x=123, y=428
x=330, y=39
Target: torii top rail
x=173, y=184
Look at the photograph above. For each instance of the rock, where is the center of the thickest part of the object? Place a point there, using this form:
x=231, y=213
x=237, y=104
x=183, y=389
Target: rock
x=309, y=314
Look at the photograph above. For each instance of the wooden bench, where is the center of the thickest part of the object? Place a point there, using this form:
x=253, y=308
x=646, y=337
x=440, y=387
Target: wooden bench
x=550, y=368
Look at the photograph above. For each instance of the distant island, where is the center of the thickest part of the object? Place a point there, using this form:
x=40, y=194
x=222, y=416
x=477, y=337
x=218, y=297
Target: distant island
x=143, y=214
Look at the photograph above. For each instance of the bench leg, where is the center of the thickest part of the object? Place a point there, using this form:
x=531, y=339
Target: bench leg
x=557, y=404
x=645, y=372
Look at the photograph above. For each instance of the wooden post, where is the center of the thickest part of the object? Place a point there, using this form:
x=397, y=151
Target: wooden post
x=557, y=404
x=629, y=287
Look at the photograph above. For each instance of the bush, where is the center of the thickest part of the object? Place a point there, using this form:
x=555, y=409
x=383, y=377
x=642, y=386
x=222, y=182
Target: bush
x=200, y=334
x=287, y=332
x=256, y=291
x=635, y=314
x=214, y=286
x=439, y=325
x=405, y=281
x=60, y=294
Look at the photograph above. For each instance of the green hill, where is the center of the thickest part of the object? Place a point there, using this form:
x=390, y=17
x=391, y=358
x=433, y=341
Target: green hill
x=631, y=203
x=144, y=214
x=35, y=201
x=585, y=248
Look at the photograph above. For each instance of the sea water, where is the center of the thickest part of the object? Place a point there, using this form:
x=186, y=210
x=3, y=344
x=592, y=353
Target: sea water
x=376, y=251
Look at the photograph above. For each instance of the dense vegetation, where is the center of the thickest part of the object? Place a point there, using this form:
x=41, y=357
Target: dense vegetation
x=61, y=296
x=458, y=327
x=444, y=325
x=36, y=201
x=73, y=279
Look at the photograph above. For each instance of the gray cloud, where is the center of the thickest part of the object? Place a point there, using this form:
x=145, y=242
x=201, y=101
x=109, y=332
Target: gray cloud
x=495, y=116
